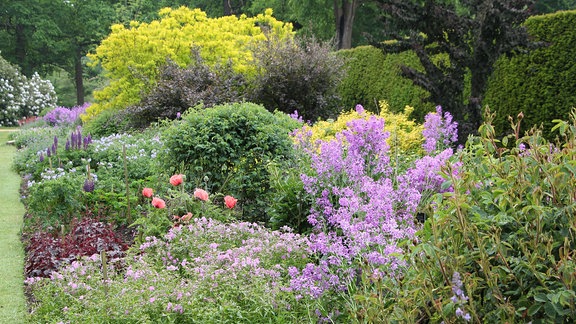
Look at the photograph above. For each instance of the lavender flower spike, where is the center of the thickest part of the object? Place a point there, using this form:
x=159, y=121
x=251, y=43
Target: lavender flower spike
x=459, y=298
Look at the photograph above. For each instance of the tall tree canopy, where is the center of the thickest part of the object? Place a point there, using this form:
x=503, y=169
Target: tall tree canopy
x=471, y=34
x=548, y=6
x=39, y=35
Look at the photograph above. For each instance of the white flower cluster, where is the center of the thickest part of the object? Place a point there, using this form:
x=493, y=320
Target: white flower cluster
x=21, y=97
x=39, y=94
x=10, y=102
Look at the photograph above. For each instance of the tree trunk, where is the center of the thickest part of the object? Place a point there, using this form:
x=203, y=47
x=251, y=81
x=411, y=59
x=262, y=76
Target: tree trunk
x=78, y=77
x=21, y=50
x=344, y=12
x=227, y=8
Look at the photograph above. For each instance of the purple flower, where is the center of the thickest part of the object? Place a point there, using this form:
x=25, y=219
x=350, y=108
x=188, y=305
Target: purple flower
x=439, y=130
x=362, y=208
x=88, y=185
x=459, y=298
x=65, y=116
x=295, y=116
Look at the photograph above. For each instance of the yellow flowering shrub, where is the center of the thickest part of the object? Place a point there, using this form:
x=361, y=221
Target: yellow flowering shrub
x=131, y=56
x=405, y=134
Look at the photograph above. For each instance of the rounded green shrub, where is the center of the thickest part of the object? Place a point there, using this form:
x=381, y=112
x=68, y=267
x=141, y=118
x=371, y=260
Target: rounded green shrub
x=372, y=77
x=541, y=83
x=227, y=148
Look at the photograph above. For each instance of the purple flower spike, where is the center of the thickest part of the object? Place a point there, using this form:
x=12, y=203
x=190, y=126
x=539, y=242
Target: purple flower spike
x=88, y=185
x=48, y=154
x=67, y=145
x=41, y=157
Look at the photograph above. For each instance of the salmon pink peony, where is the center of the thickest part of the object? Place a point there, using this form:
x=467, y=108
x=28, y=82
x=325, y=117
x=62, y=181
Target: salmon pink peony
x=177, y=179
x=158, y=203
x=147, y=192
x=230, y=201
x=201, y=194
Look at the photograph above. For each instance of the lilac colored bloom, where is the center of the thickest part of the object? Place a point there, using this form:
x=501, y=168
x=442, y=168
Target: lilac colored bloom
x=439, y=130
x=65, y=116
x=361, y=207
x=295, y=116
x=459, y=298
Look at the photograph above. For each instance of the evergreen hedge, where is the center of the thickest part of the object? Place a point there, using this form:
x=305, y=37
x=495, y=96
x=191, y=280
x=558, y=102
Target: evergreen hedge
x=373, y=76
x=542, y=83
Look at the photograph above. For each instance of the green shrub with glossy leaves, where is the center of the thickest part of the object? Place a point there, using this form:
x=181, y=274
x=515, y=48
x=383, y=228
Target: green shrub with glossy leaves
x=226, y=149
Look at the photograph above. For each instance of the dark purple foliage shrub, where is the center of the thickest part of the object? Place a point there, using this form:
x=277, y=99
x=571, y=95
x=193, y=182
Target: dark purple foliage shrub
x=46, y=252
x=181, y=88
x=301, y=76
x=43, y=255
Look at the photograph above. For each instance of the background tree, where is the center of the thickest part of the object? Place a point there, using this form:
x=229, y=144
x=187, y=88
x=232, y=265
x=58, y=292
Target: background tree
x=471, y=34
x=40, y=35
x=82, y=25
x=548, y=6
x=26, y=30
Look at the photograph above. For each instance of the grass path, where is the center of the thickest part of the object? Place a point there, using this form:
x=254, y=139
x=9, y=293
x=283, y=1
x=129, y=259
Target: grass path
x=12, y=301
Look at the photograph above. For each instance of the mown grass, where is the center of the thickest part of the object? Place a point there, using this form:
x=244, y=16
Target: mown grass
x=12, y=300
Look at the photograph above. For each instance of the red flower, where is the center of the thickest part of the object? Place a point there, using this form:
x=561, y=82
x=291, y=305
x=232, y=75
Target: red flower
x=177, y=179
x=147, y=192
x=201, y=194
x=158, y=203
x=230, y=201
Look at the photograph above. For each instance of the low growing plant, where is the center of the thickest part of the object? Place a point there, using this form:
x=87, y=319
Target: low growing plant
x=204, y=272
x=47, y=252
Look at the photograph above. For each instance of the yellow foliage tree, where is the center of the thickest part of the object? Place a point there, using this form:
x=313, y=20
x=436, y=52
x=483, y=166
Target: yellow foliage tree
x=405, y=134
x=131, y=57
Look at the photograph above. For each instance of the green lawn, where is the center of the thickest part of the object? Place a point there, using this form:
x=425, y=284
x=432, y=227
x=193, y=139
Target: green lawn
x=12, y=301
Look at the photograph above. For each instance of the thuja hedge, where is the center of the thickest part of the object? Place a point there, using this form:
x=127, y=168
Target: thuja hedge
x=372, y=76
x=539, y=84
